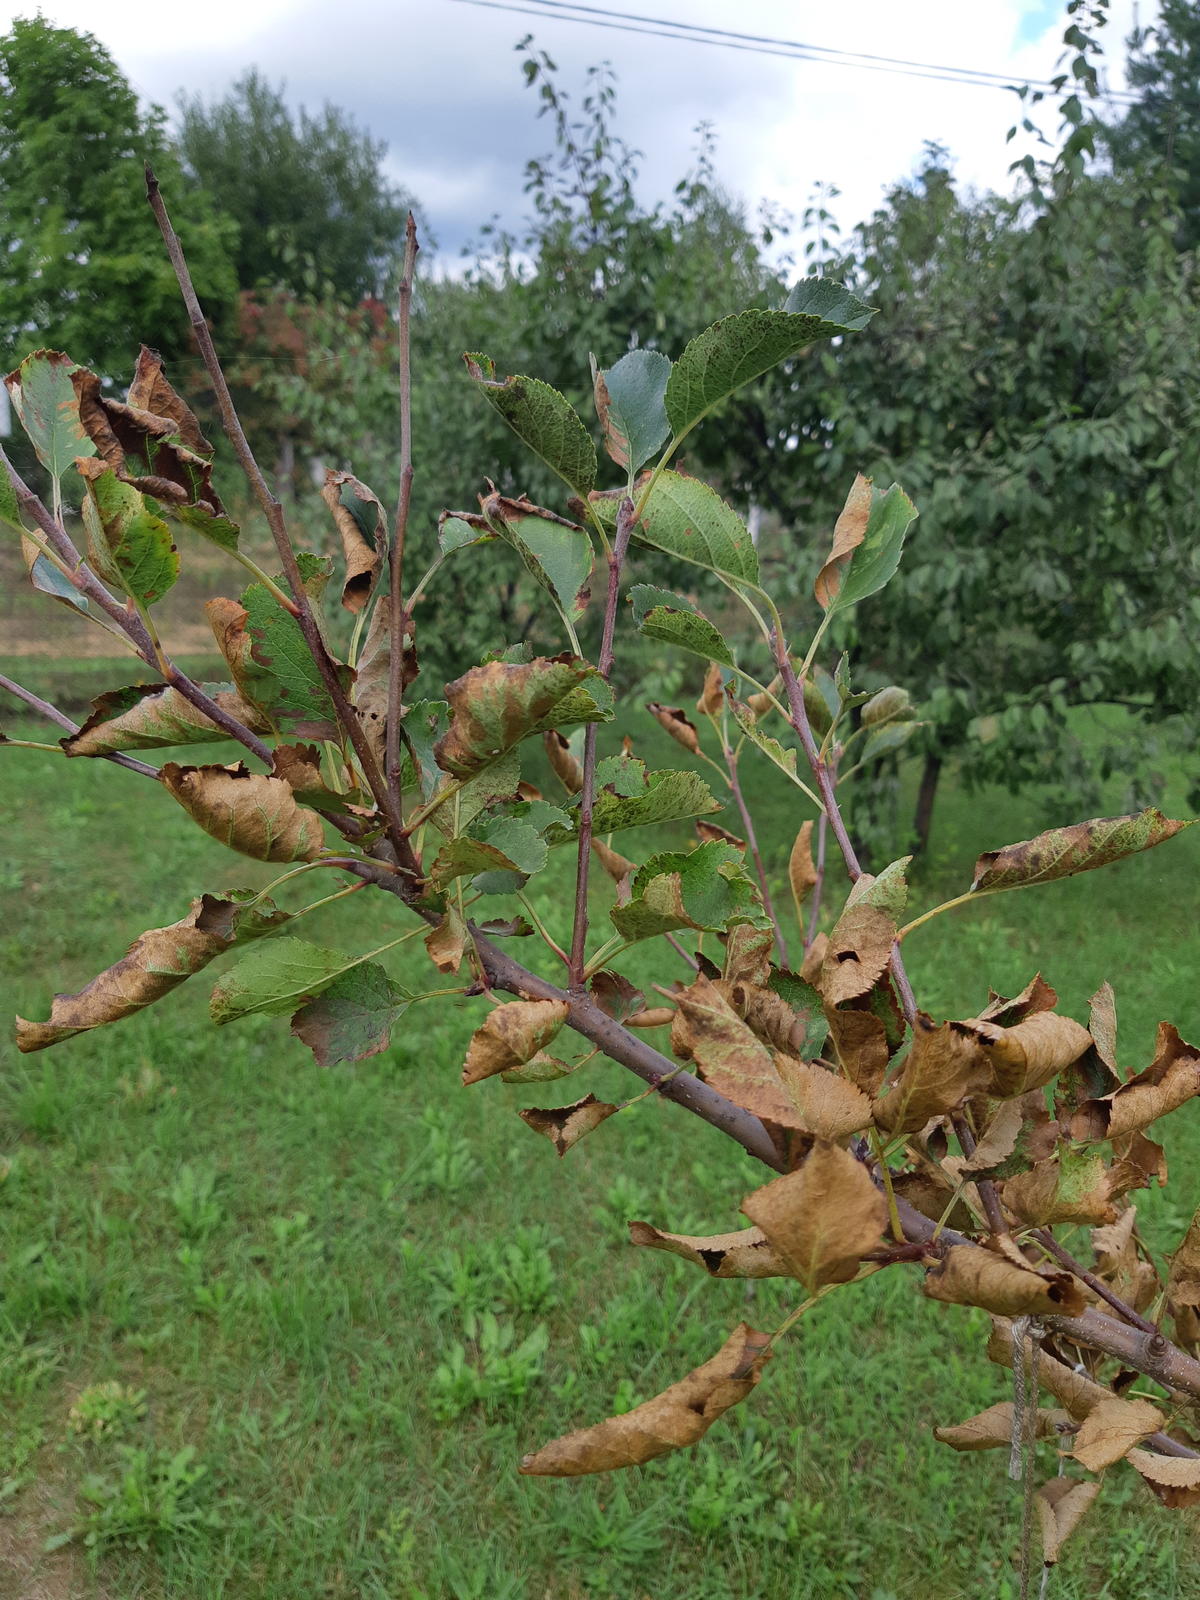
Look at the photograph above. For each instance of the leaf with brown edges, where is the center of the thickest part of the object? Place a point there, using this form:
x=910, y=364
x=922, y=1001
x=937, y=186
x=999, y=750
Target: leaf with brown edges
x=248, y=811
x=992, y=1429
x=1061, y=1505
x=943, y=1067
x=564, y=1126
x=512, y=1034
x=1175, y=1480
x=857, y=955
x=673, y=1420
x=1032, y=1053
x=359, y=519
x=1171, y=1079
x=1112, y=1428
x=1062, y=852
x=748, y=1253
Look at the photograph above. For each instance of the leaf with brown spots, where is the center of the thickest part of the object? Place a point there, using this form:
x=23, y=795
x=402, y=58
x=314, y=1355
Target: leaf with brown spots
x=943, y=1067
x=1171, y=1079
x=151, y=716
x=860, y=1040
x=495, y=706
x=248, y=811
x=993, y=1429
x=157, y=962
x=616, y=996
x=748, y=956
x=447, y=941
x=512, y=1034
x=744, y=1254
x=1061, y=1505
x=857, y=955
x=1030, y=1054
x=822, y=1218
x=848, y=533
x=673, y=1420
x=969, y=1275
x=1175, y=1480
x=1062, y=852
x=1112, y=1428
x=359, y=519
x=564, y=1126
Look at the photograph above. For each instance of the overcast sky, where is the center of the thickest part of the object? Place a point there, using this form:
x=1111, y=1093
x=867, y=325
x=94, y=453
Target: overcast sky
x=439, y=81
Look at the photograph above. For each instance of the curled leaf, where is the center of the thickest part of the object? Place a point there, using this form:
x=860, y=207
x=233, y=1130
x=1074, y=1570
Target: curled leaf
x=447, y=941
x=511, y=1035
x=563, y=762
x=744, y=1254
x=564, y=1126
x=494, y=707
x=823, y=1218
x=802, y=871
x=1061, y=1505
x=675, y=721
x=1072, y=1186
x=1061, y=852
x=857, y=955
x=848, y=533
x=1112, y=1428
x=943, y=1067
x=150, y=716
x=359, y=519
x=1032, y=1053
x=247, y=811
x=673, y=1420
x=1175, y=1480
x=993, y=1429
x=969, y=1275
x=1172, y=1078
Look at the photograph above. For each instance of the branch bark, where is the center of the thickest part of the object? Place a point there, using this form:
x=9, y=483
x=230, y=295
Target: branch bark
x=399, y=614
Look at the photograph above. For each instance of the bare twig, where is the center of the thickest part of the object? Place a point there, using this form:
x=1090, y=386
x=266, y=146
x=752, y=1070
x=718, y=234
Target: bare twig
x=731, y=764
x=616, y=559
x=399, y=614
x=53, y=714
x=273, y=511
x=1047, y=1240
x=987, y=1189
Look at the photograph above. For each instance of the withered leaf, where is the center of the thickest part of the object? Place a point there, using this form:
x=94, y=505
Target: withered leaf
x=744, y=1254
x=616, y=996
x=564, y=764
x=860, y=1039
x=143, y=449
x=495, y=706
x=299, y=765
x=1112, y=1428
x=942, y=1068
x=992, y=1429
x=150, y=391
x=1071, y=1186
x=712, y=696
x=802, y=871
x=1172, y=1078
x=157, y=962
x=1061, y=852
x=999, y=1141
x=1174, y=1479
x=1061, y=1505
x=1075, y=1391
x=372, y=684
x=848, y=533
x=447, y=941
x=1102, y=1025
x=564, y=1126
x=748, y=955
x=969, y=1275
x=1118, y=1261
x=151, y=716
x=359, y=519
x=1037, y=995
x=1183, y=1284
x=857, y=955
x=930, y=1192
x=248, y=811
x=652, y=1017
x=675, y=721
x=512, y=1034
x=1031, y=1053
x=822, y=1218
x=713, y=830
x=618, y=867
x=673, y=1420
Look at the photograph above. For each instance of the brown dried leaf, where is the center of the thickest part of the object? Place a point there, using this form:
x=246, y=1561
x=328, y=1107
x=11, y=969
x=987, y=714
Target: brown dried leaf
x=157, y=962
x=929, y=1192
x=1140, y=1162
x=1174, y=1479
x=999, y=1139
x=1072, y=1186
x=992, y=1429
x=1172, y=1078
x=802, y=871
x=969, y=1275
x=1183, y=1284
x=150, y=391
x=1033, y=1052
x=768, y=1016
x=564, y=765
x=1119, y=1264
x=748, y=956
x=1075, y=1391
x=712, y=696
x=857, y=956
x=618, y=867
x=566, y=1125
x=828, y=1106
x=616, y=996
x=299, y=765
x=710, y=831
x=848, y=534
x=1061, y=1505
x=675, y=721
x=1037, y=995
x=1112, y=1428
x=137, y=445
x=942, y=1068
x=1102, y=1025
x=447, y=941
x=372, y=680
x=652, y=1017
x=364, y=555
x=814, y=960
x=822, y=1218
x=673, y=1420
x=1062, y=852
x=745, y=1254
x=860, y=1039
x=512, y=1034
x=248, y=811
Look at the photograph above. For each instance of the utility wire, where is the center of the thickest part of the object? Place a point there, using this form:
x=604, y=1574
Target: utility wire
x=760, y=44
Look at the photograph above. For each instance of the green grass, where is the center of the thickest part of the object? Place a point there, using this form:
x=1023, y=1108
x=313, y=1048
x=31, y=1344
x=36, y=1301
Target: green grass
x=351, y=1300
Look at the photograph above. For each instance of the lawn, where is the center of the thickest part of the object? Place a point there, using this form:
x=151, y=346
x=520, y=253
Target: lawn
x=341, y=1304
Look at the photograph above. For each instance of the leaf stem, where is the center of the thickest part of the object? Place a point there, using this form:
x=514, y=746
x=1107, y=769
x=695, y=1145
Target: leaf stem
x=547, y=940
x=946, y=905
x=752, y=840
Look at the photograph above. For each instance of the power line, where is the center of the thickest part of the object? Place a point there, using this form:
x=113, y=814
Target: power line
x=762, y=44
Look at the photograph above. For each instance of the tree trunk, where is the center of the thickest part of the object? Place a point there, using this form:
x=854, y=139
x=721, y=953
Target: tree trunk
x=926, y=794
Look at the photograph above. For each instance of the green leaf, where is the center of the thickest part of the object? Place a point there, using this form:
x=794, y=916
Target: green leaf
x=277, y=976
x=497, y=781
x=353, y=1017
x=1062, y=852
x=10, y=506
x=127, y=544
x=543, y=419
x=874, y=562
x=690, y=521
x=507, y=845
x=888, y=890
x=659, y=614
x=784, y=759
x=216, y=527
x=151, y=717
x=663, y=797
x=278, y=672
x=458, y=530
x=630, y=400
x=740, y=348
x=557, y=553
x=706, y=888
x=425, y=722
x=44, y=399
x=624, y=774
x=805, y=1001
x=495, y=706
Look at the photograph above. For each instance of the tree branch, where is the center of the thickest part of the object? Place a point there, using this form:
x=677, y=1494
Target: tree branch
x=616, y=559
x=399, y=614
x=53, y=714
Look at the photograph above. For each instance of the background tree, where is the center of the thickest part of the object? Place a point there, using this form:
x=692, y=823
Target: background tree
x=313, y=205
x=81, y=267
x=1164, y=126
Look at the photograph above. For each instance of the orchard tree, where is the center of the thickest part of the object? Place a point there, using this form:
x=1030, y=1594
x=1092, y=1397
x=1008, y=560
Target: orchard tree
x=1163, y=129
x=81, y=266
x=316, y=212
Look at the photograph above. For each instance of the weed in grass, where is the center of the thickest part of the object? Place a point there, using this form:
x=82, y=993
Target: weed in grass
x=604, y=1540
x=499, y=1368
x=448, y=1162
x=107, y=1409
x=526, y=1280
x=151, y=1499
x=17, y=1451
x=146, y=1089
x=192, y=1196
